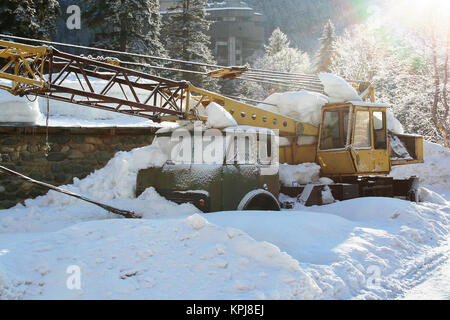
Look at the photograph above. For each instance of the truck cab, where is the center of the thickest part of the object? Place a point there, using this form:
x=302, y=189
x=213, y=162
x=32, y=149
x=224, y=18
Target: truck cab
x=354, y=140
x=234, y=180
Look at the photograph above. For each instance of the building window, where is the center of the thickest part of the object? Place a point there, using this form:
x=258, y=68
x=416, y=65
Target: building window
x=222, y=50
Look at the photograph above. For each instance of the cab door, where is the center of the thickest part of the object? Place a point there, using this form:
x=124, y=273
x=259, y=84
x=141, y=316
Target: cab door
x=361, y=147
x=369, y=141
x=381, y=150
x=333, y=155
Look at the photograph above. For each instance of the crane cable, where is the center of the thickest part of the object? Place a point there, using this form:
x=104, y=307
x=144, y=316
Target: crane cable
x=299, y=75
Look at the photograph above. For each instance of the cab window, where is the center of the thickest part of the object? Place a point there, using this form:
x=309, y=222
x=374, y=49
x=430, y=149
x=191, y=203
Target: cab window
x=362, y=136
x=379, y=130
x=334, y=129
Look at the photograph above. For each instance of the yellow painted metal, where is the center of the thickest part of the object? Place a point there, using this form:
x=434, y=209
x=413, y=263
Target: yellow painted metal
x=419, y=149
x=295, y=154
x=23, y=65
x=228, y=73
x=369, y=160
x=418, y=157
x=245, y=114
x=351, y=160
x=336, y=163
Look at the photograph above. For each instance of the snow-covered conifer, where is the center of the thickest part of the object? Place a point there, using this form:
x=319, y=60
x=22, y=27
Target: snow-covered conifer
x=29, y=18
x=185, y=39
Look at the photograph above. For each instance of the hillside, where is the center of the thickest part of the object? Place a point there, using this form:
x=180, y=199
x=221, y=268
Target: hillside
x=303, y=20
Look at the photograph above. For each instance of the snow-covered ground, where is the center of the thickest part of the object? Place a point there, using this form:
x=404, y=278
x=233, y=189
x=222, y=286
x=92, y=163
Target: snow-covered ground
x=359, y=249
x=372, y=248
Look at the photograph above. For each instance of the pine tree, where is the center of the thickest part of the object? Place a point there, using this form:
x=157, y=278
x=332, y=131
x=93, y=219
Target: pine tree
x=29, y=18
x=125, y=25
x=185, y=39
x=279, y=57
x=327, y=48
x=277, y=42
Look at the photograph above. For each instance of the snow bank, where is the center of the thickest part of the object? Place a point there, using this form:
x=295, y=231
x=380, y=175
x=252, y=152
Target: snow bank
x=218, y=117
x=426, y=195
x=393, y=124
x=302, y=173
x=303, y=105
x=337, y=89
x=18, y=109
x=341, y=245
x=434, y=173
x=114, y=184
x=153, y=259
x=328, y=252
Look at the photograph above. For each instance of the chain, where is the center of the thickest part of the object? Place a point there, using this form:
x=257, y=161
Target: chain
x=47, y=147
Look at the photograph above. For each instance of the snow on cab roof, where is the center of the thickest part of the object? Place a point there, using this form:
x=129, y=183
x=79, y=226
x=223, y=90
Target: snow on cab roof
x=368, y=104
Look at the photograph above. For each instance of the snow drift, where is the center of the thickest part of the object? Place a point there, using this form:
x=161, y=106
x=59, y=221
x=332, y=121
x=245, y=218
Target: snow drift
x=327, y=252
x=304, y=106
x=114, y=184
x=218, y=117
x=434, y=173
x=18, y=109
x=302, y=174
x=337, y=89
x=187, y=258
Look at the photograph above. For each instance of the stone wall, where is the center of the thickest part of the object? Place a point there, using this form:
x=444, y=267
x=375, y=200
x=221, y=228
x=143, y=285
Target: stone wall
x=75, y=152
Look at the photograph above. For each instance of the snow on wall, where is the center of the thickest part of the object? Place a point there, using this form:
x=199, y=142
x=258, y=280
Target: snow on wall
x=114, y=184
x=18, y=109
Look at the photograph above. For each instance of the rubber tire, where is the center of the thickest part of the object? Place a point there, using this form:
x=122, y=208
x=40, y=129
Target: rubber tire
x=263, y=201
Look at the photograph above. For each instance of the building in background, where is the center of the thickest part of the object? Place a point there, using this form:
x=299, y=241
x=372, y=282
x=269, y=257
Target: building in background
x=237, y=31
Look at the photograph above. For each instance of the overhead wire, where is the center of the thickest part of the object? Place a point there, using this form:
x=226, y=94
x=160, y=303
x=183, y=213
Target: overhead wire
x=278, y=78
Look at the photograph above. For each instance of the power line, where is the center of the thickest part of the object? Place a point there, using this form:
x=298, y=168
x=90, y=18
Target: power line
x=110, y=51
x=150, y=57
x=286, y=79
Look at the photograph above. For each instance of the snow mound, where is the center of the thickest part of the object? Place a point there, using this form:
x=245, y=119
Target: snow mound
x=302, y=174
x=114, y=184
x=218, y=117
x=426, y=195
x=434, y=173
x=393, y=124
x=18, y=109
x=341, y=245
x=337, y=89
x=154, y=259
x=303, y=105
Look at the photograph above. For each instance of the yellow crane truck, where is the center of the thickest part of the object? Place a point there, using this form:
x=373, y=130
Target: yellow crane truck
x=352, y=145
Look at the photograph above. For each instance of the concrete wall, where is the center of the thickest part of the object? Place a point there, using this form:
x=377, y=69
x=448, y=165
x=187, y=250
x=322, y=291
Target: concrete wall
x=76, y=152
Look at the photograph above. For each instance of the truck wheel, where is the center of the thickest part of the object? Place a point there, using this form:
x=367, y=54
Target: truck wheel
x=259, y=200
